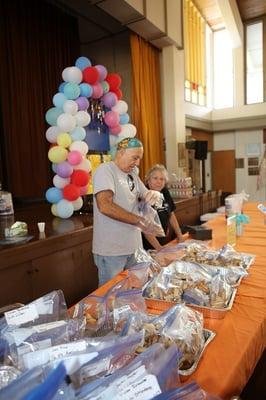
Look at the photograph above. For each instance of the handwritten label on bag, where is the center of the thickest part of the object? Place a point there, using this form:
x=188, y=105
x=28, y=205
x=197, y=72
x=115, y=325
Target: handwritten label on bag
x=136, y=385
x=53, y=353
x=144, y=389
x=21, y=315
x=42, y=344
x=20, y=334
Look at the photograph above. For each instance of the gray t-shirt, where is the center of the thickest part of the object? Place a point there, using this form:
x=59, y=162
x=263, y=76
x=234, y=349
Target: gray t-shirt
x=112, y=237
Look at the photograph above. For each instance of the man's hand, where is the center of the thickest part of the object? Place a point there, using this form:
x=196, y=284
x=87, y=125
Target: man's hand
x=153, y=197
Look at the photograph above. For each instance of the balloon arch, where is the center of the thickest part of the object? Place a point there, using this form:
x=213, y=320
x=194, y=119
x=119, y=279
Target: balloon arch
x=88, y=99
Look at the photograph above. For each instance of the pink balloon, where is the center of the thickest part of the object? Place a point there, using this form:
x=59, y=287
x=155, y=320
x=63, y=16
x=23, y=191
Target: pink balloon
x=111, y=119
x=74, y=157
x=97, y=90
x=115, y=130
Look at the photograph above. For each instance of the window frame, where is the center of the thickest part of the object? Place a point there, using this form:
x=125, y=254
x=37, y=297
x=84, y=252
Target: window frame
x=248, y=23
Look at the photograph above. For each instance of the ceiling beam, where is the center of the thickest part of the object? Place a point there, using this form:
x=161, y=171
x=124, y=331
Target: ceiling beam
x=232, y=21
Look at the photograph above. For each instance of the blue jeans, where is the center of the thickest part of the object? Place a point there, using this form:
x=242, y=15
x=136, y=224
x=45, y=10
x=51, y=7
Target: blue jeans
x=110, y=266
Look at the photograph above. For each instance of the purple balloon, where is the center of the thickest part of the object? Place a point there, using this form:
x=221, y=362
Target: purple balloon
x=83, y=103
x=110, y=99
x=64, y=169
x=102, y=71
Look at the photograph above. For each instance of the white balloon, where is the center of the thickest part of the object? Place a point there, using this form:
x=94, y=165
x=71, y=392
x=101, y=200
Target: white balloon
x=65, y=74
x=113, y=140
x=70, y=107
x=82, y=118
x=72, y=74
x=84, y=165
x=121, y=107
x=66, y=122
x=52, y=133
x=59, y=182
x=77, y=204
x=80, y=146
x=128, y=130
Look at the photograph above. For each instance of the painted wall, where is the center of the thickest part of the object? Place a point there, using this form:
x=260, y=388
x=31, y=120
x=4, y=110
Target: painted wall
x=239, y=141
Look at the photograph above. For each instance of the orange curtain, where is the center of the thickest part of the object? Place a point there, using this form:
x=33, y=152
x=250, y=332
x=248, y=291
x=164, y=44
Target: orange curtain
x=146, y=101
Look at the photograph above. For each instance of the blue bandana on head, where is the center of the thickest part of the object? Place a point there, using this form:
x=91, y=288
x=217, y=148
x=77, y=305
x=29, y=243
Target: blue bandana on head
x=129, y=143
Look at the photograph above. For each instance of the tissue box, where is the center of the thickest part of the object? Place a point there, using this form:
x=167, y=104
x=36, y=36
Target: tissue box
x=199, y=232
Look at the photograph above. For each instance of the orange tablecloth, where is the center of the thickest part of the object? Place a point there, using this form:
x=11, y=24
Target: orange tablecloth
x=229, y=360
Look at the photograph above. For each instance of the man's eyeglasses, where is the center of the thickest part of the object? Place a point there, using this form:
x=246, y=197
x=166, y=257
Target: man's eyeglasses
x=130, y=182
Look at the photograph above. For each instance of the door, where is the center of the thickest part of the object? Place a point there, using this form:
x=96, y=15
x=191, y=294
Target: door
x=223, y=170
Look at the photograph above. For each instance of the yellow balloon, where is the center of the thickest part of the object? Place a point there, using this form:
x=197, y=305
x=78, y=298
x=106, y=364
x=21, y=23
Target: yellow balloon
x=57, y=154
x=54, y=210
x=64, y=140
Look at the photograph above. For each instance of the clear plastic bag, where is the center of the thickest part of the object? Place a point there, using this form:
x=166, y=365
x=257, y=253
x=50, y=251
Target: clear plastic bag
x=135, y=322
x=48, y=308
x=17, y=389
x=39, y=384
x=151, y=223
x=8, y=374
x=184, y=327
x=152, y=372
x=173, y=280
x=168, y=254
x=53, y=387
x=122, y=285
x=142, y=256
x=24, y=340
x=220, y=293
x=74, y=354
x=139, y=274
x=231, y=275
x=126, y=303
x=97, y=316
x=108, y=360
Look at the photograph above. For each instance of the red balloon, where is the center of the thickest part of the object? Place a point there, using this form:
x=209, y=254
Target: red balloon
x=114, y=81
x=90, y=75
x=118, y=93
x=79, y=177
x=71, y=192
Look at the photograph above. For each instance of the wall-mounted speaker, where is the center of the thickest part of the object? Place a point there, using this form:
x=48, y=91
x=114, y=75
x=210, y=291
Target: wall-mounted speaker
x=201, y=149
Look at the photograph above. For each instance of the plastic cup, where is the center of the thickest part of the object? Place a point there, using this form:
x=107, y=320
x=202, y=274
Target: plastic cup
x=41, y=226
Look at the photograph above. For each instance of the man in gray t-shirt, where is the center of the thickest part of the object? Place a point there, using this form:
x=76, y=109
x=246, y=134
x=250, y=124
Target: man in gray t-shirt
x=117, y=191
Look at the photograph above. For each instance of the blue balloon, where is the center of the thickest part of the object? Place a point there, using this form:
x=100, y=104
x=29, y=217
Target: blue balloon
x=112, y=152
x=85, y=90
x=64, y=208
x=82, y=63
x=78, y=133
x=124, y=119
x=52, y=114
x=54, y=168
x=61, y=87
x=59, y=99
x=71, y=91
x=54, y=195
